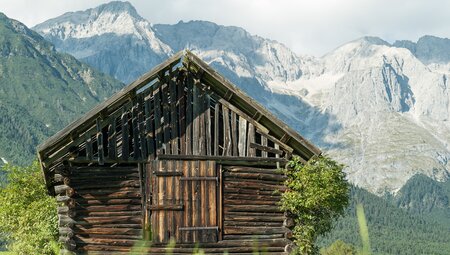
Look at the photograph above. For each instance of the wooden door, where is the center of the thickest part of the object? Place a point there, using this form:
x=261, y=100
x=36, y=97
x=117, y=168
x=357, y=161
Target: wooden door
x=184, y=197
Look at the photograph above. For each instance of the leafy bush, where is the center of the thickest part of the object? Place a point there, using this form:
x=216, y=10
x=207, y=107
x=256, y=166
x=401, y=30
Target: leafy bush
x=317, y=193
x=338, y=248
x=28, y=215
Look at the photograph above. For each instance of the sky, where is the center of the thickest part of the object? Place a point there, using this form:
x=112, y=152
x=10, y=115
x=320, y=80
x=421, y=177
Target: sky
x=312, y=27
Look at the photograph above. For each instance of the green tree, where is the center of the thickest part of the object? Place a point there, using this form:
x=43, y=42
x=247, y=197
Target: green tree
x=28, y=215
x=317, y=193
x=339, y=247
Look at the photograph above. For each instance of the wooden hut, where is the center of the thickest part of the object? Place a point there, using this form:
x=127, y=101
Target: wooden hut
x=182, y=154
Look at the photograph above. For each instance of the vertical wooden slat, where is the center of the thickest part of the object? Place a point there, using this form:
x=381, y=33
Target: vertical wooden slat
x=202, y=125
x=89, y=149
x=183, y=194
x=234, y=137
x=178, y=166
x=208, y=202
x=166, y=117
x=208, y=126
x=182, y=116
x=189, y=115
x=148, y=201
x=242, y=146
x=190, y=208
x=263, y=143
x=142, y=140
x=162, y=201
x=219, y=200
x=157, y=119
x=100, y=151
x=135, y=130
x=141, y=170
x=196, y=120
x=149, y=135
x=168, y=197
x=197, y=201
x=174, y=117
x=226, y=132
x=112, y=140
x=155, y=201
x=216, y=129
x=141, y=127
x=276, y=146
x=187, y=208
x=251, y=139
x=203, y=202
x=125, y=134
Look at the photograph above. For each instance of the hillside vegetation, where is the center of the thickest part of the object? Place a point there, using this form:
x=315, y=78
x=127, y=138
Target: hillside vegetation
x=420, y=226
x=41, y=90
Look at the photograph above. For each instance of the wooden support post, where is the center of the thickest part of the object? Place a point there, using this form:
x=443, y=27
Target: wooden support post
x=242, y=146
x=112, y=140
x=100, y=151
x=135, y=130
x=125, y=138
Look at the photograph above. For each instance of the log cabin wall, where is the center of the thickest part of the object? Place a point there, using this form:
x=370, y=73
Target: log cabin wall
x=101, y=208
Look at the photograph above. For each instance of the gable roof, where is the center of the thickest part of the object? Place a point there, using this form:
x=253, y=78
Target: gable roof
x=217, y=84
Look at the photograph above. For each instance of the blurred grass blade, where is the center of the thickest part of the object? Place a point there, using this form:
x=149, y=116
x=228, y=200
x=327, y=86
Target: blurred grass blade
x=363, y=229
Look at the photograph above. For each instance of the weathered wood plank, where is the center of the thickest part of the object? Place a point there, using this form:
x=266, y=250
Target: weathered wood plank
x=125, y=136
x=251, y=139
x=196, y=120
x=189, y=114
x=208, y=121
x=89, y=149
x=216, y=129
x=234, y=134
x=165, y=94
x=174, y=128
x=157, y=113
x=242, y=145
x=226, y=132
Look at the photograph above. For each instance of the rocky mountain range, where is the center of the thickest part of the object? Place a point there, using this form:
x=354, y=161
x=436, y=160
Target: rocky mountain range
x=41, y=90
x=382, y=109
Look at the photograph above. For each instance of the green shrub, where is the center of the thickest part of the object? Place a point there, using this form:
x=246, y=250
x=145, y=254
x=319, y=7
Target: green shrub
x=28, y=215
x=339, y=247
x=317, y=193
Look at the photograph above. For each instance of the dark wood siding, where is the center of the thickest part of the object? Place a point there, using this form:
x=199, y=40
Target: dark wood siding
x=104, y=209
x=250, y=201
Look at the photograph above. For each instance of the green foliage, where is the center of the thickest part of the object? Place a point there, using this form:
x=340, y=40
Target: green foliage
x=317, y=193
x=339, y=247
x=392, y=230
x=28, y=215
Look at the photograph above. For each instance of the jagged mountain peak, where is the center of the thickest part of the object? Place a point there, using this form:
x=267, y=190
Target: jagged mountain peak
x=374, y=40
x=114, y=17
x=118, y=7
x=429, y=49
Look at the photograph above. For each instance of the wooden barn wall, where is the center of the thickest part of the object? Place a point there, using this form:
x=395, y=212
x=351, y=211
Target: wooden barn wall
x=222, y=207
x=250, y=209
x=101, y=208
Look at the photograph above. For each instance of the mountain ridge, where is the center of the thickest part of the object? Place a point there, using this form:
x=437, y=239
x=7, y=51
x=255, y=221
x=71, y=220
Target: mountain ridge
x=41, y=90
x=365, y=103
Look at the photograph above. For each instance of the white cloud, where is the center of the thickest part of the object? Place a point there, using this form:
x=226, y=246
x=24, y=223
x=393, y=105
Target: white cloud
x=308, y=27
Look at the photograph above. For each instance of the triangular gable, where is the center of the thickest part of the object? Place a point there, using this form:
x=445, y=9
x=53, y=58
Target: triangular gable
x=181, y=107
